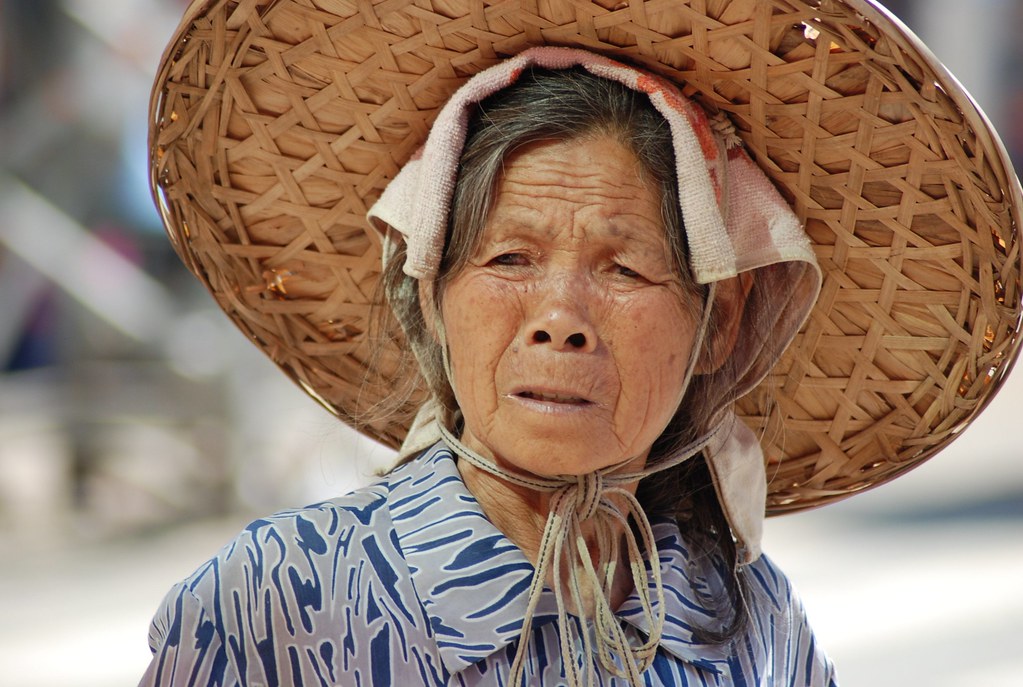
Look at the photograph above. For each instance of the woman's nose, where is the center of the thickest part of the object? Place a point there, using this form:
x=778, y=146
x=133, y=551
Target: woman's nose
x=562, y=323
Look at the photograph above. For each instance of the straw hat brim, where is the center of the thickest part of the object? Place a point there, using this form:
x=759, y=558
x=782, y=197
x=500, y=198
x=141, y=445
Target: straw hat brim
x=275, y=124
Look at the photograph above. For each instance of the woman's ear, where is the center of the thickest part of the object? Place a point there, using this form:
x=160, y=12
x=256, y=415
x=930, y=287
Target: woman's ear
x=729, y=305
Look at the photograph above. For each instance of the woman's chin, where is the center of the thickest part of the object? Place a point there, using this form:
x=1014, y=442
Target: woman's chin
x=554, y=454
x=539, y=440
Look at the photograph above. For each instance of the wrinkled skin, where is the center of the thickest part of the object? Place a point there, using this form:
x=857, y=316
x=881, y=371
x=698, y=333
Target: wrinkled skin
x=569, y=333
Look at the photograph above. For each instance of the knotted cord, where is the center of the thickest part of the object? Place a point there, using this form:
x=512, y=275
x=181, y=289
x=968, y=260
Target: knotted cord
x=564, y=555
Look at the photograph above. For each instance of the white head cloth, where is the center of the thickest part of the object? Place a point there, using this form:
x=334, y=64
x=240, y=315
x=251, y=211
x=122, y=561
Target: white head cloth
x=735, y=222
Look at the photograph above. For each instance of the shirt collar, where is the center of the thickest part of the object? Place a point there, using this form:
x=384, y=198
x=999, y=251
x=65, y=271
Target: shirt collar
x=684, y=585
x=474, y=582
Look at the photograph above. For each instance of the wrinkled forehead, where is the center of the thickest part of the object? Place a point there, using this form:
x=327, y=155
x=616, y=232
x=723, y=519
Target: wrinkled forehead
x=566, y=150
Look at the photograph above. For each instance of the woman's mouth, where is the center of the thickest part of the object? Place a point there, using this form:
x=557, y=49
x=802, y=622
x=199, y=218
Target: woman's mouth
x=553, y=397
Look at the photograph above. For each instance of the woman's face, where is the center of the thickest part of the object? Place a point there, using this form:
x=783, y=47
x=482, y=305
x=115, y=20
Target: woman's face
x=569, y=333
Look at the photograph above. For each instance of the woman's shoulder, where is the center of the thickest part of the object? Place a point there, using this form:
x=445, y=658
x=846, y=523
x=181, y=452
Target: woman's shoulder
x=362, y=509
x=314, y=576
x=770, y=585
x=304, y=541
x=291, y=552
x=325, y=537
x=778, y=622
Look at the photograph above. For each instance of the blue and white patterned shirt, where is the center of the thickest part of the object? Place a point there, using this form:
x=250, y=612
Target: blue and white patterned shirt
x=406, y=582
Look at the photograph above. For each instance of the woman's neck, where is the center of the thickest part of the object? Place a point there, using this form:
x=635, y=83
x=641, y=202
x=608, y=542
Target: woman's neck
x=521, y=514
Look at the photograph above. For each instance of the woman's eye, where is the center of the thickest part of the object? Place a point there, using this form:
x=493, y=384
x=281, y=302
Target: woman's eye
x=509, y=260
x=624, y=271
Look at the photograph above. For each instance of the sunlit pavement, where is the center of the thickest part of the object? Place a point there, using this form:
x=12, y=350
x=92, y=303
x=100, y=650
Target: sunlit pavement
x=915, y=583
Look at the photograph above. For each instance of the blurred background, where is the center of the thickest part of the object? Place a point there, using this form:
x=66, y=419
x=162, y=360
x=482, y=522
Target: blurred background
x=139, y=431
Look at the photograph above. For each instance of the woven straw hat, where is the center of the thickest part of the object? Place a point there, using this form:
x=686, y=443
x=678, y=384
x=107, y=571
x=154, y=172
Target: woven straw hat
x=276, y=124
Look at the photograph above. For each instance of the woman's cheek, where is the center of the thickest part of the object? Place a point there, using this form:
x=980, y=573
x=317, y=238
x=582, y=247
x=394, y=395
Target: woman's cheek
x=482, y=314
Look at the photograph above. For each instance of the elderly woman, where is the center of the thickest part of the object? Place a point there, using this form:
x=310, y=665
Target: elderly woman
x=569, y=345
x=589, y=271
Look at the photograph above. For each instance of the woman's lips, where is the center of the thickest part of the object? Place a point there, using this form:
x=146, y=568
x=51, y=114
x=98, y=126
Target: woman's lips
x=553, y=397
x=549, y=399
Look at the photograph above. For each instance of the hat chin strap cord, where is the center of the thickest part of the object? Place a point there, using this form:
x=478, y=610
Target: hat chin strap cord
x=565, y=557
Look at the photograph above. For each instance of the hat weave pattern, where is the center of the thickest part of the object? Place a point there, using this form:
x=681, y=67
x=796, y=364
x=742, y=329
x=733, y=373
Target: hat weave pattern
x=275, y=125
